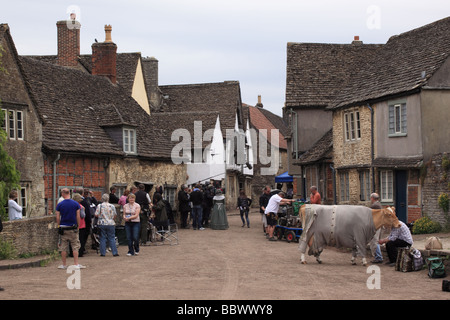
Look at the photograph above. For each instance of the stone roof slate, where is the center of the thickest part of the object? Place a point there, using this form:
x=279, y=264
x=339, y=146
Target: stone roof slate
x=339, y=75
x=404, y=64
x=316, y=72
x=126, y=65
x=223, y=98
x=76, y=107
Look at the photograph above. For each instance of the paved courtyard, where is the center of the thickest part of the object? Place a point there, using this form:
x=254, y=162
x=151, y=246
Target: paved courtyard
x=234, y=264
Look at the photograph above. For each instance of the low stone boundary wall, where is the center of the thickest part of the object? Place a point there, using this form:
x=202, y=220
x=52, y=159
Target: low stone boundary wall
x=32, y=235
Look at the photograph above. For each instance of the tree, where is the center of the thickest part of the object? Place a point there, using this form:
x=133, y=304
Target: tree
x=9, y=175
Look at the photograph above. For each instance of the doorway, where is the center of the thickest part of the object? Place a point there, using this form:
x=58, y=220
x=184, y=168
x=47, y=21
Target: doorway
x=401, y=182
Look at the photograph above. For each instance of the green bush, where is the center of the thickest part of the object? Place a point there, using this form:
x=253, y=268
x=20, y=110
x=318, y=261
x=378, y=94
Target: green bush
x=7, y=250
x=443, y=201
x=425, y=225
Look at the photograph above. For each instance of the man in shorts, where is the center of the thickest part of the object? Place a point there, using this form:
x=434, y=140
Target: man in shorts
x=68, y=220
x=272, y=210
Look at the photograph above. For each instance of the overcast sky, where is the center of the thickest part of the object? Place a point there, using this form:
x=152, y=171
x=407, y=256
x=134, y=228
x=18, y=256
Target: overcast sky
x=199, y=41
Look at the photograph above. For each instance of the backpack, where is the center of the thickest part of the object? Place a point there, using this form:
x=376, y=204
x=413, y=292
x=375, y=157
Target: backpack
x=436, y=267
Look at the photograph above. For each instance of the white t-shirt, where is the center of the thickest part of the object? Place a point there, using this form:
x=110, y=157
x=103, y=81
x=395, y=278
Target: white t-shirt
x=274, y=204
x=14, y=210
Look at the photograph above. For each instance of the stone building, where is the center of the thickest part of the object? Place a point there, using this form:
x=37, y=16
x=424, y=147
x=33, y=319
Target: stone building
x=23, y=125
x=80, y=129
x=315, y=74
x=385, y=107
x=209, y=116
x=262, y=121
x=397, y=99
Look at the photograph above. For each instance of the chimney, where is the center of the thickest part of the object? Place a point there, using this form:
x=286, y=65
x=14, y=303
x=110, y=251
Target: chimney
x=259, y=104
x=68, y=41
x=104, y=56
x=150, y=67
x=356, y=41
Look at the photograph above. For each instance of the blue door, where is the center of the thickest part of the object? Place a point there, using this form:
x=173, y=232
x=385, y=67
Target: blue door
x=401, y=204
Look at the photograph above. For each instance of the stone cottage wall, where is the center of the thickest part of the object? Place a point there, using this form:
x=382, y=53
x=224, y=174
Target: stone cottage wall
x=349, y=155
x=435, y=180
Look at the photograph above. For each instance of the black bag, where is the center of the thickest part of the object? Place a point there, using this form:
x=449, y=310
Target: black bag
x=446, y=285
x=436, y=267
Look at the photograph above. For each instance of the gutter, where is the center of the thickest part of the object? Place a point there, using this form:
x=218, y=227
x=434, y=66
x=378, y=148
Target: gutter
x=372, y=143
x=54, y=181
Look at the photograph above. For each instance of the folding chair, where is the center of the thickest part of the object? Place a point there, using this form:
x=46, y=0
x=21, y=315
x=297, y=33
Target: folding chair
x=164, y=234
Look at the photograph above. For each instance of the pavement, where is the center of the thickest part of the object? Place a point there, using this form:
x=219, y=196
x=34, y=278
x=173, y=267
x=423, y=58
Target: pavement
x=419, y=243
x=233, y=264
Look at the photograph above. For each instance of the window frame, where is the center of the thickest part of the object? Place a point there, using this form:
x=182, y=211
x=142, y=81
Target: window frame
x=397, y=119
x=364, y=185
x=13, y=123
x=129, y=140
x=387, y=185
x=11, y=118
x=19, y=125
x=352, y=125
x=344, y=186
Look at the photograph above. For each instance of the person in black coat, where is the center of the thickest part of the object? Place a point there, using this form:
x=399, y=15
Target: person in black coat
x=196, y=197
x=183, y=205
x=208, y=195
x=143, y=199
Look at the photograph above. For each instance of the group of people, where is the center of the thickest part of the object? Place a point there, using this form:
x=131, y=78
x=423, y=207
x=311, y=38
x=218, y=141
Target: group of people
x=398, y=237
x=75, y=215
x=204, y=205
x=138, y=209
x=270, y=204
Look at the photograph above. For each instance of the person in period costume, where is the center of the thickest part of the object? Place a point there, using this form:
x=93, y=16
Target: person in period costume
x=219, y=219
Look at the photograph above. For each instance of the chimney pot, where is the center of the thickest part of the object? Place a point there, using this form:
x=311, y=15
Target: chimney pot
x=108, y=29
x=259, y=104
x=104, y=57
x=356, y=41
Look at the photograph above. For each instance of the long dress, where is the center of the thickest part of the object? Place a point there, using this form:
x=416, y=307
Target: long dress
x=219, y=219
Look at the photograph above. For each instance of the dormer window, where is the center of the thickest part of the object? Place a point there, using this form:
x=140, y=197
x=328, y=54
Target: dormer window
x=129, y=140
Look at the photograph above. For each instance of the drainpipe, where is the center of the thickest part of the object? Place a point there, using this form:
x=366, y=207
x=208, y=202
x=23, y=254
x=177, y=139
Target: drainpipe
x=372, y=146
x=54, y=181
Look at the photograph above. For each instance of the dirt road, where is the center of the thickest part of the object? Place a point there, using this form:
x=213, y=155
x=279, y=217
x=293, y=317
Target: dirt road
x=234, y=264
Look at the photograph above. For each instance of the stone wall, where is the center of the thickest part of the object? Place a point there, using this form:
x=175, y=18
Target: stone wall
x=350, y=155
x=356, y=152
x=435, y=180
x=32, y=235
